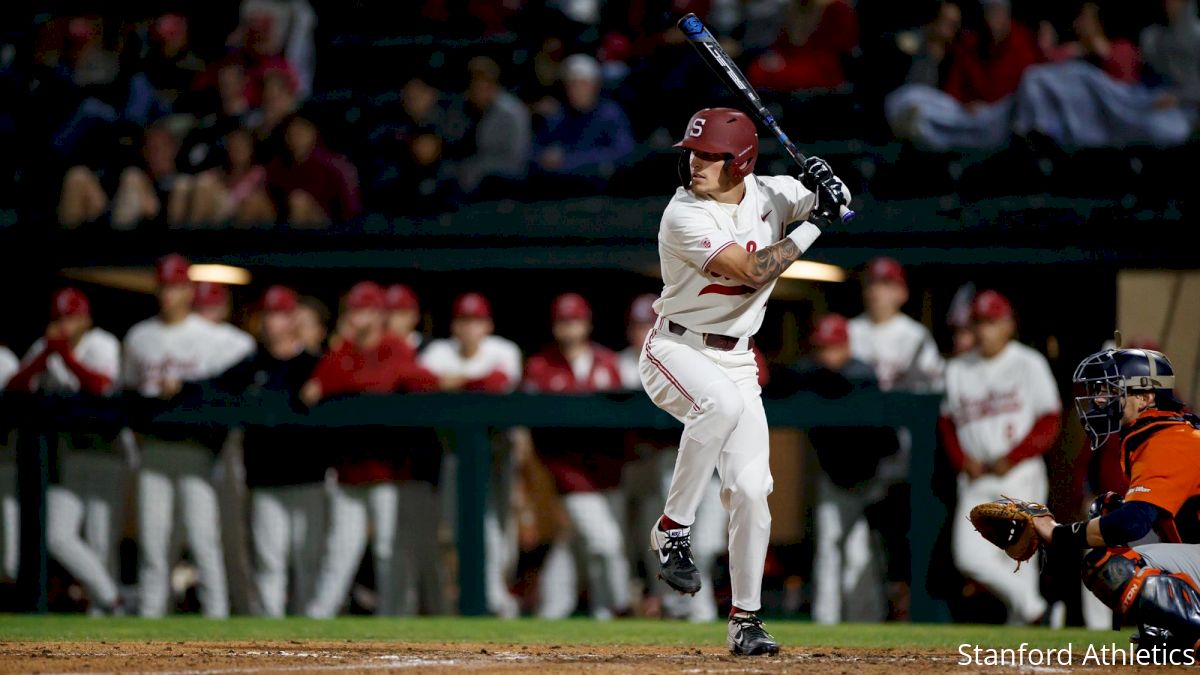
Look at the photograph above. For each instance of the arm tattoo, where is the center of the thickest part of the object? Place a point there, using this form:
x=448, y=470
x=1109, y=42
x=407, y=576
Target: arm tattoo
x=768, y=263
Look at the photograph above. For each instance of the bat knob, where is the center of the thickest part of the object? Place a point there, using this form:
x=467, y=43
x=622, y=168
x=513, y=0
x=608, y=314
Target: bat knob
x=691, y=25
x=846, y=214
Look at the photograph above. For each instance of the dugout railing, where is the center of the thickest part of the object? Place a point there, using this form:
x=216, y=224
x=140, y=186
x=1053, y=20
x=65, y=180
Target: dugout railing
x=465, y=420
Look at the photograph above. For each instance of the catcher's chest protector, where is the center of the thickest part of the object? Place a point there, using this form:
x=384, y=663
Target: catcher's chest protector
x=1179, y=432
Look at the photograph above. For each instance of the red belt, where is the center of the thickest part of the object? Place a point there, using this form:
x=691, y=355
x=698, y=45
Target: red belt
x=721, y=342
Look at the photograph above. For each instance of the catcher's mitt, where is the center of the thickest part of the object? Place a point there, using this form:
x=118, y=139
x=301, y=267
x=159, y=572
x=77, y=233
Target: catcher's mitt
x=1008, y=523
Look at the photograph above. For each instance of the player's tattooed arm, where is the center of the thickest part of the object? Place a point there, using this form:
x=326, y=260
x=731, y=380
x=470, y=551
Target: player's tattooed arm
x=758, y=268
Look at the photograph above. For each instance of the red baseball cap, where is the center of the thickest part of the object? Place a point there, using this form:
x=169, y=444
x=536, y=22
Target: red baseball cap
x=172, y=269
x=990, y=306
x=69, y=302
x=886, y=269
x=399, y=296
x=366, y=295
x=472, y=306
x=570, y=306
x=209, y=294
x=830, y=330
x=279, y=299
x=641, y=310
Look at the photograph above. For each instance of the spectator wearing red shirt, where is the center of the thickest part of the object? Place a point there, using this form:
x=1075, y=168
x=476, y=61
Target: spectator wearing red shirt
x=366, y=358
x=972, y=111
x=311, y=185
x=586, y=467
x=817, y=36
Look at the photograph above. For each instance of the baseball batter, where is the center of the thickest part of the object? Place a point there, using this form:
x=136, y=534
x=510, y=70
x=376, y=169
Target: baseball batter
x=723, y=242
x=1128, y=395
x=1001, y=413
x=86, y=492
x=160, y=354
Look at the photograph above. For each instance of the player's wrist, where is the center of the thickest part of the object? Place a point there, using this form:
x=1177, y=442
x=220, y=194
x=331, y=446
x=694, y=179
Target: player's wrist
x=1070, y=536
x=804, y=235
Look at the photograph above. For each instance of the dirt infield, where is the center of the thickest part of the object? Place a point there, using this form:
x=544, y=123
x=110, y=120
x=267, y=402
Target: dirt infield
x=202, y=658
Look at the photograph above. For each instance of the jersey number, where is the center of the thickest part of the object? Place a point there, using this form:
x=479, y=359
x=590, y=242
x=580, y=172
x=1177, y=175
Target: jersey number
x=697, y=127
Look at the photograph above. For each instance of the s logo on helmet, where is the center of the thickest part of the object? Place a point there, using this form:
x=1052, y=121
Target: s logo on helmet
x=697, y=127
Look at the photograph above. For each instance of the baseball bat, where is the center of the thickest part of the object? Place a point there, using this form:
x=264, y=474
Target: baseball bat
x=731, y=76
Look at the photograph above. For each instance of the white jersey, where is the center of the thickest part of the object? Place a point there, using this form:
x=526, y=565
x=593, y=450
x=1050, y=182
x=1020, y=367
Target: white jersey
x=901, y=351
x=444, y=358
x=98, y=350
x=193, y=349
x=694, y=231
x=627, y=363
x=995, y=402
x=8, y=366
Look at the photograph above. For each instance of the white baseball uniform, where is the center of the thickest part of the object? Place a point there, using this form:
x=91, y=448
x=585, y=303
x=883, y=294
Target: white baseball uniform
x=900, y=349
x=716, y=393
x=84, y=504
x=10, y=515
x=175, y=476
x=994, y=404
x=418, y=559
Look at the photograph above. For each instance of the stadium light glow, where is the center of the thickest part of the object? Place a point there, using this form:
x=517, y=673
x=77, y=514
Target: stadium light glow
x=807, y=270
x=219, y=274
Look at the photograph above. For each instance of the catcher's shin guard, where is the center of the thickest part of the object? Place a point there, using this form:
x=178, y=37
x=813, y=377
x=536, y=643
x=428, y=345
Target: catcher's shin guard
x=1160, y=603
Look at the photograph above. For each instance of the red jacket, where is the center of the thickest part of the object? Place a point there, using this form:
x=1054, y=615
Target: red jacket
x=549, y=371
x=816, y=64
x=972, y=78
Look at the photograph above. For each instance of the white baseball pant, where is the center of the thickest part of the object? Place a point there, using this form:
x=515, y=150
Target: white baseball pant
x=717, y=397
x=709, y=535
x=79, y=520
x=418, y=562
x=287, y=523
x=10, y=520
x=356, y=510
x=175, y=478
x=598, y=537
x=847, y=579
x=988, y=564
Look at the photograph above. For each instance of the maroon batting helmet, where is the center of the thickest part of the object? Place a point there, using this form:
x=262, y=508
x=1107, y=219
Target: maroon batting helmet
x=724, y=131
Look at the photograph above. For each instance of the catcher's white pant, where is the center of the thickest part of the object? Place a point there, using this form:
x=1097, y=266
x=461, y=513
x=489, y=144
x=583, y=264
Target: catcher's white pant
x=987, y=564
x=175, y=479
x=418, y=565
x=847, y=574
x=597, y=533
x=288, y=528
x=355, y=511
x=716, y=396
x=10, y=520
x=79, y=520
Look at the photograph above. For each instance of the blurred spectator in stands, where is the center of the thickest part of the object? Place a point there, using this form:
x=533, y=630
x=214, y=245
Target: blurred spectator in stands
x=212, y=302
x=233, y=192
x=279, y=103
x=928, y=47
x=545, y=68
x=85, y=500
x=282, y=28
x=848, y=573
x=958, y=318
x=1000, y=415
x=972, y=111
x=311, y=186
x=586, y=469
x=1091, y=96
x=75, y=81
x=809, y=52
x=312, y=323
x=161, y=354
x=227, y=110
x=367, y=359
x=140, y=193
x=164, y=71
x=489, y=132
x=1172, y=55
x=408, y=174
x=284, y=467
x=404, y=315
x=587, y=138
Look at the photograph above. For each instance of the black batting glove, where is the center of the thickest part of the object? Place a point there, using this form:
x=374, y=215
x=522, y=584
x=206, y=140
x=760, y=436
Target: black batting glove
x=819, y=178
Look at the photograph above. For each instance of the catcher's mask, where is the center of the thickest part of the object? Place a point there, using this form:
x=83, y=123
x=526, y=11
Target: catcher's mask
x=1104, y=380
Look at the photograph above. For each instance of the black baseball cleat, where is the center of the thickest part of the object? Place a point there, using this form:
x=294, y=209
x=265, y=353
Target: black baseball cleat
x=674, y=548
x=747, y=637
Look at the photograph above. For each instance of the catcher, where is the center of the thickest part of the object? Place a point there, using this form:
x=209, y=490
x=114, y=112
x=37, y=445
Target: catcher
x=1130, y=392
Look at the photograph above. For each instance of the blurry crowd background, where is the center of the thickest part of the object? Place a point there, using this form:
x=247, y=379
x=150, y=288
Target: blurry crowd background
x=273, y=115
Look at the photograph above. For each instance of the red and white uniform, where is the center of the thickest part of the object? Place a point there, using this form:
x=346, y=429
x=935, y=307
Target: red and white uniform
x=495, y=367
x=9, y=515
x=695, y=230
x=191, y=350
x=594, y=370
x=900, y=349
x=1004, y=406
x=716, y=394
x=98, y=351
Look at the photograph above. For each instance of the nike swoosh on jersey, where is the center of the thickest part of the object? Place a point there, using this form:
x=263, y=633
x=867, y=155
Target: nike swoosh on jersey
x=767, y=214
